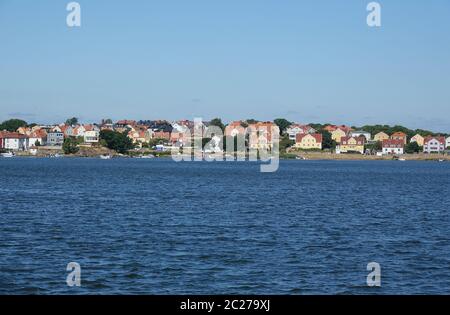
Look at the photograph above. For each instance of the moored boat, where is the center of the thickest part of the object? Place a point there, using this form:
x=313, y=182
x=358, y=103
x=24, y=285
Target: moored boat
x=8, y=155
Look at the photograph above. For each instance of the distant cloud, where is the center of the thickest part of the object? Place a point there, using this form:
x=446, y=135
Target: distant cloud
x=22, y=115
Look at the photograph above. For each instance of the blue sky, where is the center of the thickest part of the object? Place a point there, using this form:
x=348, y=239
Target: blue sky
x=307, y=61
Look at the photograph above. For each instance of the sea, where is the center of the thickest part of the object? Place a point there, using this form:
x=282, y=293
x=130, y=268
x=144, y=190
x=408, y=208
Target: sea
x=156, y=226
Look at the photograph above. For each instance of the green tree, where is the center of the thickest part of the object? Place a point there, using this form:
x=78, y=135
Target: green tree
x=70, y=146
x=412, y=147
x=327, y=141
x=12, y=124
x=72, y=121
x=282, y=123
x=285, y=143
x=217, y=122
x=117, y=141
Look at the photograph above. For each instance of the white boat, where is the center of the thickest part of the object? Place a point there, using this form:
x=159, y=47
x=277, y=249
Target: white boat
x=149, y=156
x=105, y=157
x=402, y=159
x=8, y=155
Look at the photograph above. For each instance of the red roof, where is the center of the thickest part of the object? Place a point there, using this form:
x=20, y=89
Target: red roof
x=393, y=143
x=316, y=136
x=398, y=134
x=12, y=135
x=439, y=138
x=126, y=122
x=360, y=140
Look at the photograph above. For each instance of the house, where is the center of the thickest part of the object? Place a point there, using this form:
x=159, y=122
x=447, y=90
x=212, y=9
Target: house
x=123, y=124
x=434, y=144
x=234, y=129
x=91, y=136
x=261, y=135
x=161, y=135
x=393, y=147
x=141, y=135
x=418, y=139
x=361, y=133
x=38, y=137
x=295, y=129
x=399, y=136
x=24, y=130
x=13, y=141
x=331, y=128
x=308, y=141
x=447, y=143
x=78, y=131
x=352, y=144
x=340, y=133
x=381, y=136
x=55, y=138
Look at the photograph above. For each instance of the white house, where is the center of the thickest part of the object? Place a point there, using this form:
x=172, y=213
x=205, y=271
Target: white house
x=395, y=147
x=13, y=141
x=361, y=133
x=434, y=144
x=38, y=136
x=447, y=143
x=91, y=136
x=295, y=129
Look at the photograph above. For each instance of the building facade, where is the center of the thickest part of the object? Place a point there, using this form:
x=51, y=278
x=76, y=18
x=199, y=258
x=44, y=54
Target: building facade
x=396, y=147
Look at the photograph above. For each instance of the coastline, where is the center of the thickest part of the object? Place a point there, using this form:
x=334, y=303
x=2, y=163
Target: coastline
x=314, y=156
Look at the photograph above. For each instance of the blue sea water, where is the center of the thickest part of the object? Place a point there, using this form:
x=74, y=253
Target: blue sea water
x=161, y=227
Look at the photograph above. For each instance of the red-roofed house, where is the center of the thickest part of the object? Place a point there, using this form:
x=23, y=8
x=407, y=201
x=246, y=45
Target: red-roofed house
x=261, y=135
x=38, y=136
x=13, y=141
x=399, y=136
x=295, y=129
x=391, y=146
x=351, y=144
x=309, y=141
x=434, y=144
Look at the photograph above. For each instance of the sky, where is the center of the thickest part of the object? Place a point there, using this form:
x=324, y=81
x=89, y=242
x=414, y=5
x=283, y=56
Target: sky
x=303, y=60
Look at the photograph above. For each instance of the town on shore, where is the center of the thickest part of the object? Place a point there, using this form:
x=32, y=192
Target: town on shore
x=157, y=137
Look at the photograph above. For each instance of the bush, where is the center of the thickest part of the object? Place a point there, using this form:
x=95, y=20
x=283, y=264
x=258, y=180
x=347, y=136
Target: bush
x=70, y=146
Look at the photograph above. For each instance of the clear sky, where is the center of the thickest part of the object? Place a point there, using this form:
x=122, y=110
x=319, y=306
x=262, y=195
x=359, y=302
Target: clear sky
x=307, y=61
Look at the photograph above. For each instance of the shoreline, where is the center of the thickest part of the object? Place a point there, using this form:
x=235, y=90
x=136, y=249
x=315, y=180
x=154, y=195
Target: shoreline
x=313, y=156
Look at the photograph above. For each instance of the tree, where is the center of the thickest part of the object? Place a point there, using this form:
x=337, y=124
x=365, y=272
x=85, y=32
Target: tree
x=282, y=123
x=251, y=121
x=117, y=141
x=12, y=124
x=285, y=143
x=72, y=121
x=70, y=146
x=217, y=122
x=412, y=147
x=327, y=141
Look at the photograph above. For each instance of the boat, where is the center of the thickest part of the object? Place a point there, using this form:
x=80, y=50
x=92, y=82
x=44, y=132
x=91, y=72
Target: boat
x=441, y=160
x=402, y=159
x=149, y=156
x=105, y=157
x=300, y=158
x=8, y=155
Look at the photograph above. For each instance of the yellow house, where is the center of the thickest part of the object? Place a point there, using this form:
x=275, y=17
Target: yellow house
x=419, y=139
x=352, y=144
x=381, y=136
x=308, y=141
x=338, y=134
